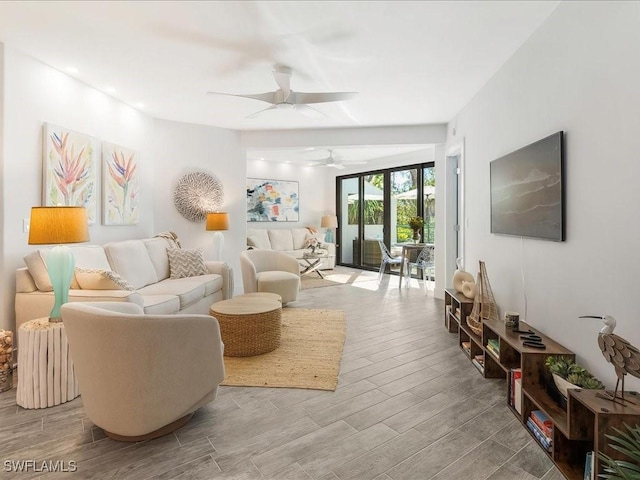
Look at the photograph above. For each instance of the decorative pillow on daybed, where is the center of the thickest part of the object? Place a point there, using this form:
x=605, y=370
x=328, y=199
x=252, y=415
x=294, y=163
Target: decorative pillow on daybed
x=186, y=263
x=98, y=279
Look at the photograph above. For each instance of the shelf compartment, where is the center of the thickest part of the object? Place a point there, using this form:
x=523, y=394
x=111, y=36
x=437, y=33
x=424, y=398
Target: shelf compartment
x=539, y=399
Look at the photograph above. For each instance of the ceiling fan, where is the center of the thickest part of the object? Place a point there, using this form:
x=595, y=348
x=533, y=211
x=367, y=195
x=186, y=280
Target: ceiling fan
x=286, y=99
x=332, y=161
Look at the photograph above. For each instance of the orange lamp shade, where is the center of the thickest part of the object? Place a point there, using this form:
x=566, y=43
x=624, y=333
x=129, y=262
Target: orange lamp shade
x=329, y=221
x=217, y=221
x=57, y=225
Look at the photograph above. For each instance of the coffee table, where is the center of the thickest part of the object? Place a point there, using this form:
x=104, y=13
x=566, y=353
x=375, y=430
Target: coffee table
x=312, y=261
x=250, y=324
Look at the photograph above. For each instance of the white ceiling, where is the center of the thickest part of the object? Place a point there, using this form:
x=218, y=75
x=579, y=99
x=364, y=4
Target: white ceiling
x=412, y=62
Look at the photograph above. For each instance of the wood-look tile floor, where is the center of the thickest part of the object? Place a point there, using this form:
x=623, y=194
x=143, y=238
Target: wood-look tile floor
x=409, y=406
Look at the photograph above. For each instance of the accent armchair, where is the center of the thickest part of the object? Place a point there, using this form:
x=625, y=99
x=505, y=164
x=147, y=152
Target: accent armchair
x=270, y=271
x=142, y=376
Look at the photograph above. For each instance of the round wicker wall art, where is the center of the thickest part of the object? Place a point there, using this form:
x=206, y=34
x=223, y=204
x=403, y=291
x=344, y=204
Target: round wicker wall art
x=196, y=194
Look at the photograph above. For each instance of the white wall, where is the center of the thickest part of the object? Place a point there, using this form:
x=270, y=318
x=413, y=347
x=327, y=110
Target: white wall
x=578, y=73
x=182, y=148
x=34, y=94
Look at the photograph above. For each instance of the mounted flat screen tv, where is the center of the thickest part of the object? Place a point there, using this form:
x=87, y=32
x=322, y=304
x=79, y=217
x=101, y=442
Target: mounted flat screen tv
x=527, y=191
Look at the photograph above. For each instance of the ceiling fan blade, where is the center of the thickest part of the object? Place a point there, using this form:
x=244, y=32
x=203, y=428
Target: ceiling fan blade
x=254, y=115
x=308, y=111
x=309, y=97
x=268, y=97
x=282, y=76
x=339, y=166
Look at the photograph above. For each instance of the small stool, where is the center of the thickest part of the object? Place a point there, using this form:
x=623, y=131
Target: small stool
x=250, y=324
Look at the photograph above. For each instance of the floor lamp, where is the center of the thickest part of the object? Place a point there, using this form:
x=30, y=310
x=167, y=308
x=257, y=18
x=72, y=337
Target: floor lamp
x=329, y=222
x=216, y=222
x=59, y=225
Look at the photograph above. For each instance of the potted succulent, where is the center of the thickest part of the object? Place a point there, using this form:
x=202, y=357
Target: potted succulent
x=627, y=443
x=568, y=374
x=416, y=224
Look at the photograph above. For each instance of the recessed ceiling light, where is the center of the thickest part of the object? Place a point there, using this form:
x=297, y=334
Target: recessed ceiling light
x=73, y=70
x=139, y=105
x=110, y=90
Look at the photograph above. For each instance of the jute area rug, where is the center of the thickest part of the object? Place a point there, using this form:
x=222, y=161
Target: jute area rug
x=308, y=357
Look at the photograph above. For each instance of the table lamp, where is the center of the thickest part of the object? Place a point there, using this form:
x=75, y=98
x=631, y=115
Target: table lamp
x=329, y=222
x=216, y=222
x=59, y=225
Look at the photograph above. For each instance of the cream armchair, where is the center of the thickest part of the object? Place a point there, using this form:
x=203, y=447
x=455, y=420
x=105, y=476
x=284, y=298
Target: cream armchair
x=142, y=376
x=270, y=271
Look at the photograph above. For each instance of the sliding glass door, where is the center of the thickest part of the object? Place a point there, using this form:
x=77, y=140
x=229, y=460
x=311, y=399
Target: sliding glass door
x=377, y=206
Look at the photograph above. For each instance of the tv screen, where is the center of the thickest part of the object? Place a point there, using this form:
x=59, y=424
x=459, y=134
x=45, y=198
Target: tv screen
x=527, y=191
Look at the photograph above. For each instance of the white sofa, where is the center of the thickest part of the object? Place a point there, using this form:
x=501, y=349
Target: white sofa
x=292, y=241
x=143, y=263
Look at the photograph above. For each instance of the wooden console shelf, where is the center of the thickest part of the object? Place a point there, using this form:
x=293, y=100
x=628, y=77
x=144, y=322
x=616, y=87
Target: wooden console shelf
x=578, y=429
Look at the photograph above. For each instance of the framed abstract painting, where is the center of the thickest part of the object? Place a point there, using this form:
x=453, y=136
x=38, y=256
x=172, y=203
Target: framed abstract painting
x=120, y=185
x=69, y=170
x=272, y=200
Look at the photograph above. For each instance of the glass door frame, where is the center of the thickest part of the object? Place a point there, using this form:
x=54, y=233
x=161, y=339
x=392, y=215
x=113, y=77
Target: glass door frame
x=386, y=173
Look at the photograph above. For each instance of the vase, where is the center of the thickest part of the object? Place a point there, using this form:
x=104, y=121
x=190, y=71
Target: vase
x=563, y=385
x=416, y=236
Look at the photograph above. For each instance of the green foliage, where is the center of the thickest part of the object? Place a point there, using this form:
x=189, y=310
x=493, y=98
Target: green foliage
x=566, y=368
x=416, y=223
x=627, y=443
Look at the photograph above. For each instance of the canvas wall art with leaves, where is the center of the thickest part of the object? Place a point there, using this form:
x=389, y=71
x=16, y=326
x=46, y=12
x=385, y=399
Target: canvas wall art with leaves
x=120, y=185
x=272, y=200
x=70, y=169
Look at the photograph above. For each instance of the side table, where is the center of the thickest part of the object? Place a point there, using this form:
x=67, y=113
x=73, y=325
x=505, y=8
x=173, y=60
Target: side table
x=46, y=375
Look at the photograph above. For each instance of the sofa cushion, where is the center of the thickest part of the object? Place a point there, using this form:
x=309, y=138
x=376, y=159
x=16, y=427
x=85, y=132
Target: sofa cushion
x=35, y=262
x=281, y=239
x=157, y=250
x=186, y=263
x=188, y=290
x=98, y=279
x=85, y=256
x=160, y=304
x=299, y=237
x=131, y=260
x=259, y=237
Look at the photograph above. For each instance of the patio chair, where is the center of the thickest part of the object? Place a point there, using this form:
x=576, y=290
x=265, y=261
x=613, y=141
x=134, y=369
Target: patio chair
x=387, y=259
x=425, y=262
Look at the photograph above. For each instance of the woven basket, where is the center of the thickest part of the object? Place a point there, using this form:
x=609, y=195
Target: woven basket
x=248, y=335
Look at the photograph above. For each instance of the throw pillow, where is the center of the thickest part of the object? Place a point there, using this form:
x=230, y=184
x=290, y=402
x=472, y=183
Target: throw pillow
x=98, y=279
x=186, y=263
x=314, y=240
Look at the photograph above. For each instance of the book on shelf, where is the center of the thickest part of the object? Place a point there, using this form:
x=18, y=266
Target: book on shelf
x=515, y=374
x=589, y=472
x=466, y=346
x=495, y=352
x=493, y=342
x=517, y=400
x=543, y=421
x=479, y=366
x=543, y=440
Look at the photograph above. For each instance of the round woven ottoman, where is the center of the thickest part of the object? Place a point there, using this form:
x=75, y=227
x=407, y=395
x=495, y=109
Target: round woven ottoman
x=249, y=324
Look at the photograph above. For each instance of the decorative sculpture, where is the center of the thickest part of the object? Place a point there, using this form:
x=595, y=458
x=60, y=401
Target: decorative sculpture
x=618, y=351
x=460, y=276
x=484, y=303
x=197, y=194
x=469, y=288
